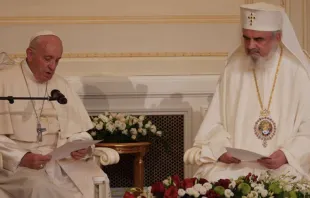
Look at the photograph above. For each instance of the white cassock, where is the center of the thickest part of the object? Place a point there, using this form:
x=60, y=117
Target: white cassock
x=62, y=179
x=235, y=109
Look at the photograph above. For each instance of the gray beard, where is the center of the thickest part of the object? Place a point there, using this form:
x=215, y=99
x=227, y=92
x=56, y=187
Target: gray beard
x=261, y=62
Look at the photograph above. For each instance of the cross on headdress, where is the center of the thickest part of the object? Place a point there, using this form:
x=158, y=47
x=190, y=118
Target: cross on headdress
x=252, y=18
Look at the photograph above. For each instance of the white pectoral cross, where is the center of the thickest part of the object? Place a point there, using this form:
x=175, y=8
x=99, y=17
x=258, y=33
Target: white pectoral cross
x=40, y=130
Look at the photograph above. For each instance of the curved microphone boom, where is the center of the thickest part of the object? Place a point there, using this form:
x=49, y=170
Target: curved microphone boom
x=57, y=95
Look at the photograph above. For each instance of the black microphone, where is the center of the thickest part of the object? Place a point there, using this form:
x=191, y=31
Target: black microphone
x=57, y=95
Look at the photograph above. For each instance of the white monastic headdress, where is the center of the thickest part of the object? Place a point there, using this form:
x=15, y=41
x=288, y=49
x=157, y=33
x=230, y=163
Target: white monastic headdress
x=42, y=33
x=267, y=17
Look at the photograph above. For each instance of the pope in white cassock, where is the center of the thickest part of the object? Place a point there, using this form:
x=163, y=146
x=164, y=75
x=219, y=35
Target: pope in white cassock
x=261, y=103
x=28, y=171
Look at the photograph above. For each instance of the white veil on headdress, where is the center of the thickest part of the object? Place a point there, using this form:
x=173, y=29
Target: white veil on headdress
x=268, y=17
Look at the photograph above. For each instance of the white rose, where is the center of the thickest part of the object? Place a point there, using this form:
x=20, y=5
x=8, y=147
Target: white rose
x=96, y=119
x=147, y=126
x=253, y=194
x=123, y=126
x=140, y=124
x=181, y=192
x=144, y=132
x=232, y=185
x=118, y=124
x=158, y=133
x=202, y=190
x=133, y=131
x=110, y=126
x=228, y=193
x=288, y=188
x=133, y=137
x=141, y=118
x=99, y=126
x=140, y=130
x=208, y=186
x=153, y=128
x=264, y=193
x=197, y=187
x=135, y=120
x=166, y=182
x=93, y=133
x=94, y=124
x=120, y=116
x=125, y=132
x=190, y=191
x=196, y=194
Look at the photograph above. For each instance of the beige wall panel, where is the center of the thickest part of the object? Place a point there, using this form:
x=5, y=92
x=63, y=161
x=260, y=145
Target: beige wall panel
x=142, y=66
x=307, y=24
x=128, y=38
x=117, y=7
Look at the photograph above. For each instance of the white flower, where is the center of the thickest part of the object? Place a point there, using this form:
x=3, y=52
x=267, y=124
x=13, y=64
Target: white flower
x=181, y=192
x=253, y=194
x=120, y=116
x=125, y=132
x=118, y=124
x=147, y=126
x=122, y=127
x=202, y=190
x=149, y=189
x=196, y=194
x=140, y=130
x=153, y=129
x=99, y=126
x=104, y=119
x=140, y=124
x=96, y=119
x=197, y=187
x=166, y=182
x=114, y=115
x=232, y=185
x=288, y=187
x=190, y=191
x=158, y=133
x=94, y=124
x=135, y=120
x=228, y=193
x=263, y=193
x=133, y=131
x=133, y=137
x=253, y=185
x=141, y=118
x=93, y=133
x=110, y=126
x=144, y=132
x=207, y=185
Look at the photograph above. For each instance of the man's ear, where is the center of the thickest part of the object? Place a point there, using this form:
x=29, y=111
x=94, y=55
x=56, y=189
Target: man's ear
x=29, y=53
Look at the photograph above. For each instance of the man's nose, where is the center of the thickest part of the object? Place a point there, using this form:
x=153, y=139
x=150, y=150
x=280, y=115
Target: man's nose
x=252, y=44
x=52, y=65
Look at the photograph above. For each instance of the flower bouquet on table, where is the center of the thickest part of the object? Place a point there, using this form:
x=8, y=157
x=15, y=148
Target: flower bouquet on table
x=123, y=128
x=249, y=186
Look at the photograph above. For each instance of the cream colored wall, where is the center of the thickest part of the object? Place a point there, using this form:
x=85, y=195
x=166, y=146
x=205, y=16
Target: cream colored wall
x=138, y=37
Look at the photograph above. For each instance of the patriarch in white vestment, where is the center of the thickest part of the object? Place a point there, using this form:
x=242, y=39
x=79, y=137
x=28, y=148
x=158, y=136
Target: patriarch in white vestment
x=261, y=103
x=31, y=129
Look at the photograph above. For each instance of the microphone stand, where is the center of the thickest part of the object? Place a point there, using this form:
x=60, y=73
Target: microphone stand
x=11, y=98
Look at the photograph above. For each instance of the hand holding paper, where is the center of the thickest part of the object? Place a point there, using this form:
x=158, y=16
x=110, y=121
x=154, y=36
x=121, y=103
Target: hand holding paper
x=66, y=149
x=244, y=155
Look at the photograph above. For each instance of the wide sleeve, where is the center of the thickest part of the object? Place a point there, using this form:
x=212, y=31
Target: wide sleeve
x=296, y=149
x=11, y=153
x=212, y=136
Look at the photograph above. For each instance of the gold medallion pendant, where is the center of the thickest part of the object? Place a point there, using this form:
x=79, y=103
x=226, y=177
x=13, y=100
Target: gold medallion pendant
x=265, y=129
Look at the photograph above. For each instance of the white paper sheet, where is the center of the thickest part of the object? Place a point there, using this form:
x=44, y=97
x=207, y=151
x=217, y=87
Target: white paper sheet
x=66, y=149
x=244, y=155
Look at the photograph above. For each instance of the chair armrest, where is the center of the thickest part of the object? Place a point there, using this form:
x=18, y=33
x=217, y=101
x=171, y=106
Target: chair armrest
x=106, y=156
x=192, y=156
x=1, y=161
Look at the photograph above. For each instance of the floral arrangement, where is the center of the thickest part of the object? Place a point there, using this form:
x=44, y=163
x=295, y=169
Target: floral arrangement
x=249, y=186
x=118, y=127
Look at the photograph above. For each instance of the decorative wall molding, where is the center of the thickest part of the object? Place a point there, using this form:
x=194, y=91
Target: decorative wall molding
x=305, y=25
x=134, y=54
x=119, y=19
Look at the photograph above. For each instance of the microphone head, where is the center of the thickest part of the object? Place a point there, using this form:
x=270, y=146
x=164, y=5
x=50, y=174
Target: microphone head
x=57, y=95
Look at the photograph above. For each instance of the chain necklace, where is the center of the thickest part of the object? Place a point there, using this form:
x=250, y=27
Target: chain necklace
x=40, y=130
x=265, y=127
